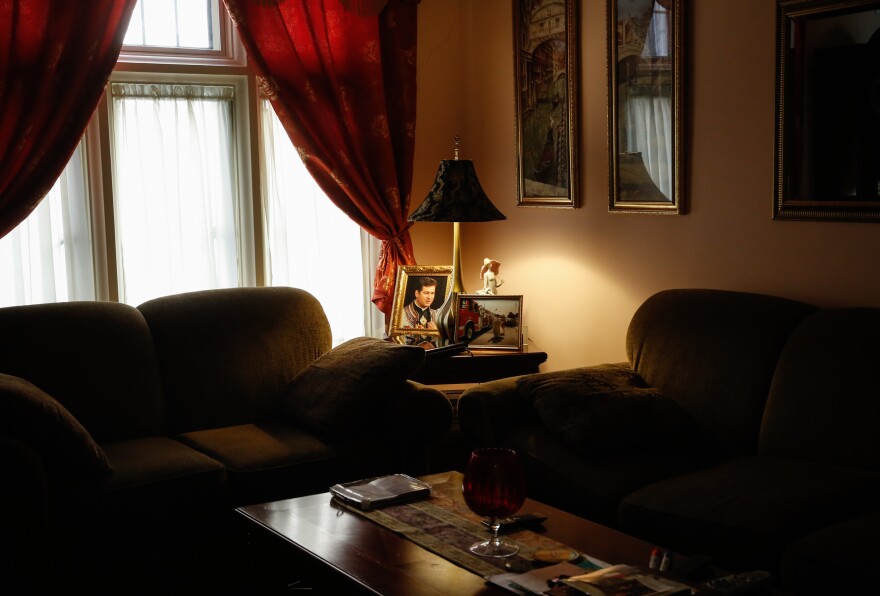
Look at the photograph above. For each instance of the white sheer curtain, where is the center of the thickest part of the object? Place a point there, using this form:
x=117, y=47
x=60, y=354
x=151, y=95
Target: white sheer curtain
x=310, y=243
x=48, y=257
x=173, y=178
x=648, y=119
x=373, y=317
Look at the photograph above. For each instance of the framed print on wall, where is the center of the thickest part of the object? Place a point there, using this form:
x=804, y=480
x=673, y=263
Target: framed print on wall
x=546, y=77
x=827, y=111
x=489, y=322
x=645, y=106
x=420, y=292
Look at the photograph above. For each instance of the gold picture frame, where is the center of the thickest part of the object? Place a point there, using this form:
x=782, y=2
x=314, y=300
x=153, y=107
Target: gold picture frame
x=645, y=106
x=546, y=102
x=403, y=328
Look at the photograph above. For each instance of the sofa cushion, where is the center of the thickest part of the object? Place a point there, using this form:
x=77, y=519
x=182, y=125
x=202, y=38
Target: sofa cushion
x=592, y=487
x=97, y=359
x=275, y=460
x=606, y=409
x=823, y=402
x=226, y=355
x=744, y=511
x=154, y=479
x=344, y=390
x=714, y=353
x=35, y=417
x=838, y=559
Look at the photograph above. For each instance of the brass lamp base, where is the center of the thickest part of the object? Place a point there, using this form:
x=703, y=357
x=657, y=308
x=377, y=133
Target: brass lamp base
x=457, y=283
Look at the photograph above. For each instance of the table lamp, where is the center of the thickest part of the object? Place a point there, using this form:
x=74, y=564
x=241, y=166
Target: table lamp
x=455, y=197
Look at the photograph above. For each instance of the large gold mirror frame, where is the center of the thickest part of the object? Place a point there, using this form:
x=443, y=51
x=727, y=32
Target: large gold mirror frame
x=645, y=105
x=828, y=110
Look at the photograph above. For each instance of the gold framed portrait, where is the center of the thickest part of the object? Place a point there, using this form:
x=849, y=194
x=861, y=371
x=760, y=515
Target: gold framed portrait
x=420, y=292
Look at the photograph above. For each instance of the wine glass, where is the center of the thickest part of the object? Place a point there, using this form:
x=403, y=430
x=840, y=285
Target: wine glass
x=494, y=487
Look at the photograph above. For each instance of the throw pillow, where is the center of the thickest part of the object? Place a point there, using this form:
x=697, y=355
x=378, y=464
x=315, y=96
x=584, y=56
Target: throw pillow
x=343, y=391
x=606, y=409
x=37, y=419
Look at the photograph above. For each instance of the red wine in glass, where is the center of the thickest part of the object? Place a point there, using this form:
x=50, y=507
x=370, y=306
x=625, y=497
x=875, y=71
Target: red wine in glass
x=494, y=487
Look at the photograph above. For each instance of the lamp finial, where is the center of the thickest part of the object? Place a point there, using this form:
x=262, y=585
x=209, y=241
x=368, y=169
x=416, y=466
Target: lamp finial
x=457, y=143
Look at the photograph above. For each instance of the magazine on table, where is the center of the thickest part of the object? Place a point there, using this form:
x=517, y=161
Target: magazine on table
x=538, y=581
x=630, y=580
x=381, y=491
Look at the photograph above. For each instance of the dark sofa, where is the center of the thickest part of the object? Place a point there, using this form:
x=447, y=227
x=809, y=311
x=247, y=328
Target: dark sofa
x=742, y=427
x=129, y=435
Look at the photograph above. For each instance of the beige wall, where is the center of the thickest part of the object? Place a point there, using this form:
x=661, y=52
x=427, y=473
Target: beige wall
x=584, y=272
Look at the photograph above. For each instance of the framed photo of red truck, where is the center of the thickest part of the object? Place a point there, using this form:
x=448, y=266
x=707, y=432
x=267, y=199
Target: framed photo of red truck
x=489, y=322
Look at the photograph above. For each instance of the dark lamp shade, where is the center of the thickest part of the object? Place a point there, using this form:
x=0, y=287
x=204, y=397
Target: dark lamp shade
x=456, y=196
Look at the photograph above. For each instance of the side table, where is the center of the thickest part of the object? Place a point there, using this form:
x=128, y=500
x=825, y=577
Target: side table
x=478, y=366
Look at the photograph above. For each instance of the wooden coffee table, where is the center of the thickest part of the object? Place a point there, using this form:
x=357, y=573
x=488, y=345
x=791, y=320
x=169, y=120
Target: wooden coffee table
x=311, y=542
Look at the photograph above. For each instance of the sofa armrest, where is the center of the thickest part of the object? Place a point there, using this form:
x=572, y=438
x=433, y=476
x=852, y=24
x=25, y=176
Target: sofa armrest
x=488, y=412
x=422, y=413
x=23, y=514
x=418, y=418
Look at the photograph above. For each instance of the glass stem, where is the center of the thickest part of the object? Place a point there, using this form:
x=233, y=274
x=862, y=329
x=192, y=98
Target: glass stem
x=495, y=525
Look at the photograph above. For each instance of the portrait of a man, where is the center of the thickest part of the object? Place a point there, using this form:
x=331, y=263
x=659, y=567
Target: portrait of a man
x=418, y=314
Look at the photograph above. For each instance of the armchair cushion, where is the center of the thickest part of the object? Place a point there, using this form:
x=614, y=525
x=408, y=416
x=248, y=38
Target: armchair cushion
x=37, y=419
x=347, y=388
x=606, y=409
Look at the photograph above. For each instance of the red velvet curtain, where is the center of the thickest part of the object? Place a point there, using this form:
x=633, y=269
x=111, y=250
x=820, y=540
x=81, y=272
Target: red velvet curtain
x=55, y=59
x=343, y=84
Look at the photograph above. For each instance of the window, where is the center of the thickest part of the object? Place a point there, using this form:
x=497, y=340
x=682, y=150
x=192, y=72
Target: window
x=162, y=196
x=174, y=24
x=310, y=243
